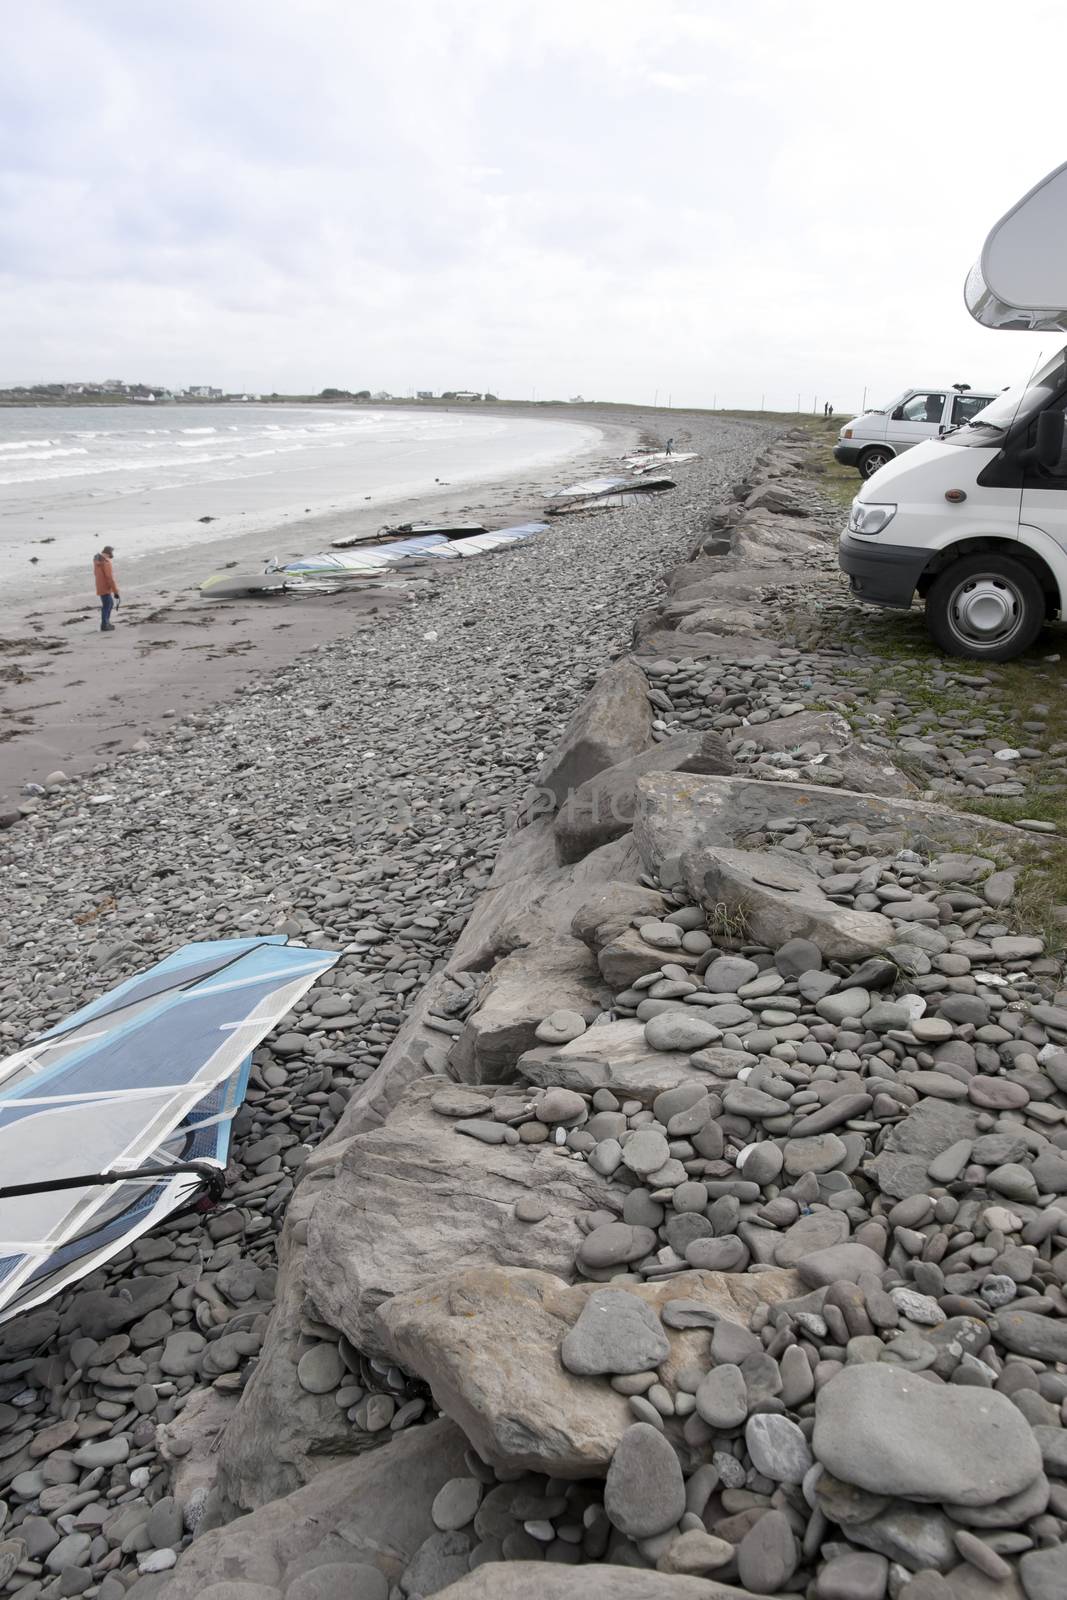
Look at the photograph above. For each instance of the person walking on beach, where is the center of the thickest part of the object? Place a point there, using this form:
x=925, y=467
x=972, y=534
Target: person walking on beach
x=106, y=587
x=670, y=447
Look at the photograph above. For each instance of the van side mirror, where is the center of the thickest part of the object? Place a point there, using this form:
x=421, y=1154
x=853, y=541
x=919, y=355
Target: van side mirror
x=1048, y=443
x=898, y=415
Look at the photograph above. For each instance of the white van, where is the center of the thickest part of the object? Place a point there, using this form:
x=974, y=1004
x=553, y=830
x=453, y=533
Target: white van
x=975, y=521
x=870, y=440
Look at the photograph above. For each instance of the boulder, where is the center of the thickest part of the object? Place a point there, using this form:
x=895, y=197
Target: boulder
x=609, y=911
x=415, y=1199
x=657, y=644
x=777, y=498
x=628, y=1065
x=537, y=908
x=402, y=1064
x=377, y=1504
x=677, y=813
x=602, y=808
x=526, y=852
x=626, y=957
x=935, y=1442
x=523, y=989
x=900, y=1168
x=859, y=767
x=541, y=1580
x=189, y=1446
x=280, y=1436
x=487, y=1340
x=775, y=900
x=763, y=538
x=613, y=723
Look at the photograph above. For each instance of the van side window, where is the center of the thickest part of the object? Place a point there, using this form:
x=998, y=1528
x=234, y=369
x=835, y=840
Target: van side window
x=923, y=408
x=966, y=406
x=1051, y=477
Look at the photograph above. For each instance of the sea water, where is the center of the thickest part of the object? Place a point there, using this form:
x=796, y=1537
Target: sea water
x=141, y=477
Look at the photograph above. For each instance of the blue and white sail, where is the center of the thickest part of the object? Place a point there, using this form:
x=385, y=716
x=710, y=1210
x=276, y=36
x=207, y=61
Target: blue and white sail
x=366, y=560
x=150, y=1075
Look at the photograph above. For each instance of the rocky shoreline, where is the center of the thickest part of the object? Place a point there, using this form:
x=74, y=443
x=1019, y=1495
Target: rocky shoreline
x=667, y=1187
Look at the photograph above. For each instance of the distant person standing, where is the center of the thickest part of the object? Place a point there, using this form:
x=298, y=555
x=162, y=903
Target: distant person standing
x=670, y=447
x=829, y=409
x=106, y=587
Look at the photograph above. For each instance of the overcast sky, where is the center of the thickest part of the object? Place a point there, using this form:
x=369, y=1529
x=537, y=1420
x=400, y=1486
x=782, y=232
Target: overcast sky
x=706, y=199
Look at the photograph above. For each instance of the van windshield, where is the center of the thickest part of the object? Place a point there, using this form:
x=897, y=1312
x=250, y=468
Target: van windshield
x=890, y=405
x=1021, y=403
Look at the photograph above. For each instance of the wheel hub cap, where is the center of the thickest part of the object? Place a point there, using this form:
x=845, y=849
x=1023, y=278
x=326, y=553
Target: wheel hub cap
x=985, y=609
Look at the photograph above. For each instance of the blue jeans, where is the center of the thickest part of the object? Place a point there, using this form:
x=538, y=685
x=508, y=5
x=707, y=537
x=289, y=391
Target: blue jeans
x=106, y=603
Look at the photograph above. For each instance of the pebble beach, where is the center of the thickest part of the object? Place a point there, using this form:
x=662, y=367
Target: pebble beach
x=667, y=1181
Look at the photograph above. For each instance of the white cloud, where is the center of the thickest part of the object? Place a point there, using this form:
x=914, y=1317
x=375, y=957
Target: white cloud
x=601, y=196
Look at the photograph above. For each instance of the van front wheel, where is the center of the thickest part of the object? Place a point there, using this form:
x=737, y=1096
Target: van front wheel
x=870, y=461
x=988, y=608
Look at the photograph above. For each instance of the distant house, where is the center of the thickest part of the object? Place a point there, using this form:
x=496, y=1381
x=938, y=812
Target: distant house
x=203, y=391
x=465, y=394
x=382, y=394
x=424, y=394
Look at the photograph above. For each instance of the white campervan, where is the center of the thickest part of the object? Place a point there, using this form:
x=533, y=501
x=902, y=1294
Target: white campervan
x=975, y=521
x=870, y=440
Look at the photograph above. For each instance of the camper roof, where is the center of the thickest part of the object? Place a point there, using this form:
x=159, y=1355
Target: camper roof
x=1020, y=280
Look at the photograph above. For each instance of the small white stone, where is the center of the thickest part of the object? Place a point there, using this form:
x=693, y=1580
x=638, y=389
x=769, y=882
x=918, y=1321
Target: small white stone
x=1003, y=1220
x=157, y=1560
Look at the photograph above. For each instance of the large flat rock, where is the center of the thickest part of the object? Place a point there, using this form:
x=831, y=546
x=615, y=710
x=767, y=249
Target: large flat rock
x=679, y=813
x=523, y=989
x=859, y=767
x=376, y=1506
x=602, y=808
x=539, y=1580
x=415, y=1199
x=487, y=1342
x=631, y=1068
x=537, y=907
x=774, y=900
x=935, y=1442
x=280, y=1436
x=613, y=723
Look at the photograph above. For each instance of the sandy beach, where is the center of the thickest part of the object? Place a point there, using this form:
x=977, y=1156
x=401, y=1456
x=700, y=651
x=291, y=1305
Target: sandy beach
x=66, y=706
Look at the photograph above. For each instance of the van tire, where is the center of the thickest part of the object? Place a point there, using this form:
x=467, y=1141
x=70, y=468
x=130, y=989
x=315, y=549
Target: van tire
x=985, y=608
x=870, y=461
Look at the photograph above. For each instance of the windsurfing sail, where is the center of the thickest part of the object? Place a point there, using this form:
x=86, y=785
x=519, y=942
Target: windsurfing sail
x=431, y=547
x=653, y=460
x=357, y=563
x=604, y=489
x=132, y=1098
x=633, y=494
x=223, y=585
x=588, y=486
x=498, y=539
x=417, y=530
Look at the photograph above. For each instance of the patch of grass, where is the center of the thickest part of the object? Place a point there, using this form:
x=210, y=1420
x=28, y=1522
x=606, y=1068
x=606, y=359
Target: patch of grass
x=900, y=662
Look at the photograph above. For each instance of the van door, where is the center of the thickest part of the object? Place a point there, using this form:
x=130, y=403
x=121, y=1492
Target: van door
x=920, y=417
x=1044, y=500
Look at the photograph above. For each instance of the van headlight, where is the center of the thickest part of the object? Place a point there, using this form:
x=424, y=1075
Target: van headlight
x=870, y=518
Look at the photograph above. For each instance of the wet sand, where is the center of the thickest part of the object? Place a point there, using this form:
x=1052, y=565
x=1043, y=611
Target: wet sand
x=72, y=697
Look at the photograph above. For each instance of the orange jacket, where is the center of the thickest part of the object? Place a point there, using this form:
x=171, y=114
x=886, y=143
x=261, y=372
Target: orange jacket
x=105, y=577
